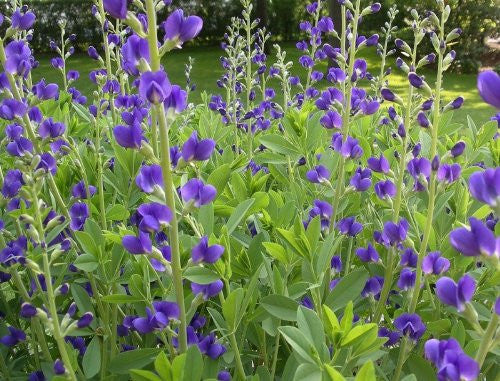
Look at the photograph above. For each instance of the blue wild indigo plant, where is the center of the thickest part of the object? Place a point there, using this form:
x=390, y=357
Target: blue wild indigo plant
x=346, y=232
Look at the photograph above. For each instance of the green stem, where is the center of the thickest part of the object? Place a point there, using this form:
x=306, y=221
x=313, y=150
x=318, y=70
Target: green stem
x=234, y=345
x=56, y=328
x=349, y=256
x=401, y=359
x=248, y=28
x=487, y=339
x=386, y=288
x=168, y=181
x=346, y=112
x=433, y=182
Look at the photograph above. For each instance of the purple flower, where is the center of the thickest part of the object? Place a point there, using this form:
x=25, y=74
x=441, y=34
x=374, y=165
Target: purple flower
x=392, y=336
x=474, y=242
x=14, y=337
x=322, y=209
x=149, y=177
x=485, y=186
x=28, y=310
x=456, y=294
x=332, y=119
x=11, y=108
x=458, y=149
x=415, y=80
x=154, y=86
x=407, y=279
x=58, y=367
x=79, y=212
x=336, y=75
x=92, y=52
x=19, y=147
x=336, y=264
x=367, y=255
x=211, y=347
x=133, y=50
x=47, y=163
x=195, y=149
x=410, y=325
x=12, y=183
x=422, y=120
x=177, y=100
x=204, y=253
x=488, y=84
x=349, y=149
x=497, y=306
x=44, y=91
x=325, y=24
x=116, y=8
x=409, y=258
x=165, y=311
x=373, y=286
x=385, y=189
x=18, y=58
x=85, y=320
x=450, y=360
x=449, y=173
x=79, y=190
x=138, y=245
x=388, y=95
x=154, y=216
x=72, y=75
x=349, y=226
x=129, y=136
x=207, y=290
x=419, y=167
x=380, y=165
x=22, y=21
x=198, y=193
x=224, y=375
x=361, y=180
x=50, y=129
x=318, y=175
x=180, y=28
x=435, y=264
x=395, y=233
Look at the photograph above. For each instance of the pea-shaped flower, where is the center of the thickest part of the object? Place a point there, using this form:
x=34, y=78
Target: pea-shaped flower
x=205, y=253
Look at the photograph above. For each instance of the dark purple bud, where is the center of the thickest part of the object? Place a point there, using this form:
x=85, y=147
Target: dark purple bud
x=458, y=149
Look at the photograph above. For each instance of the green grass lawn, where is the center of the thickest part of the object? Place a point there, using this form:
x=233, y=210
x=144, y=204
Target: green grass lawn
x=207, y=70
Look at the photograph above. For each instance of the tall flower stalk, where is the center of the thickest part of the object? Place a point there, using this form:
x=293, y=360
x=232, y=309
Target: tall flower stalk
x=166, y=165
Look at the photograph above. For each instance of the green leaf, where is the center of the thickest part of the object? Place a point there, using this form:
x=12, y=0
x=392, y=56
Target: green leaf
x=276, y=251
x=82, y=298
x=278, y=143
x=220, y=177
x=366, y=373
x=332, y=322
x=200, y=275
x=238, y=215
x=308, y=372
x=163, y=367
x=134, y=359
x=143, y=375
x=280, y=306
x=333, y=374
x=421, y=368
x=86, y=262
x=193, y=366
x=310, y=325
x=486, y=133
x=366, y=332
x=232, y=306
x=117, y=213
x=92, y=358
x=87, y=243
x=300, y=344
x=349, y=288
x=121, y=299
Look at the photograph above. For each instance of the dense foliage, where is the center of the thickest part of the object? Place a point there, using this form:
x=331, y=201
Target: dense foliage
x=345, y=234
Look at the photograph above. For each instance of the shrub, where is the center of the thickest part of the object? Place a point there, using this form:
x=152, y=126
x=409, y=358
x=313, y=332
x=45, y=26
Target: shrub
x=344, y=234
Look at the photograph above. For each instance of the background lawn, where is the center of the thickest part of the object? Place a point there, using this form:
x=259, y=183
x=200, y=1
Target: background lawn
x=207, y=70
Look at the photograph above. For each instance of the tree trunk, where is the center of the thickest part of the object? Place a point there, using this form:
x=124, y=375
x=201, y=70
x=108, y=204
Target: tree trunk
x=335, y=10
x=262, y=13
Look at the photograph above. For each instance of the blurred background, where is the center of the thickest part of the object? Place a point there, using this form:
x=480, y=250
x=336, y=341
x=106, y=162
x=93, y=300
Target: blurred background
x=477, y=49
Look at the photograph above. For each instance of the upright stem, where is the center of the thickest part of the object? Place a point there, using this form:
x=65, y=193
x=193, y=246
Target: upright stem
x=56, y=328
x=433, y=181
x=248, y=27
x=389, y=270
x=401, y=359
x=314, y=47
x=347, y=109
x=487, y=339
x=168, y=181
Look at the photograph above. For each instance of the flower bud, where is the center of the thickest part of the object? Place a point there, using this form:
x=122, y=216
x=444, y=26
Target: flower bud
x=454, y=34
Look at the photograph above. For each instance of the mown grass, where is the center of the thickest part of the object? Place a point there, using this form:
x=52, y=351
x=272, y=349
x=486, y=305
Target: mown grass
x=207, y=70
